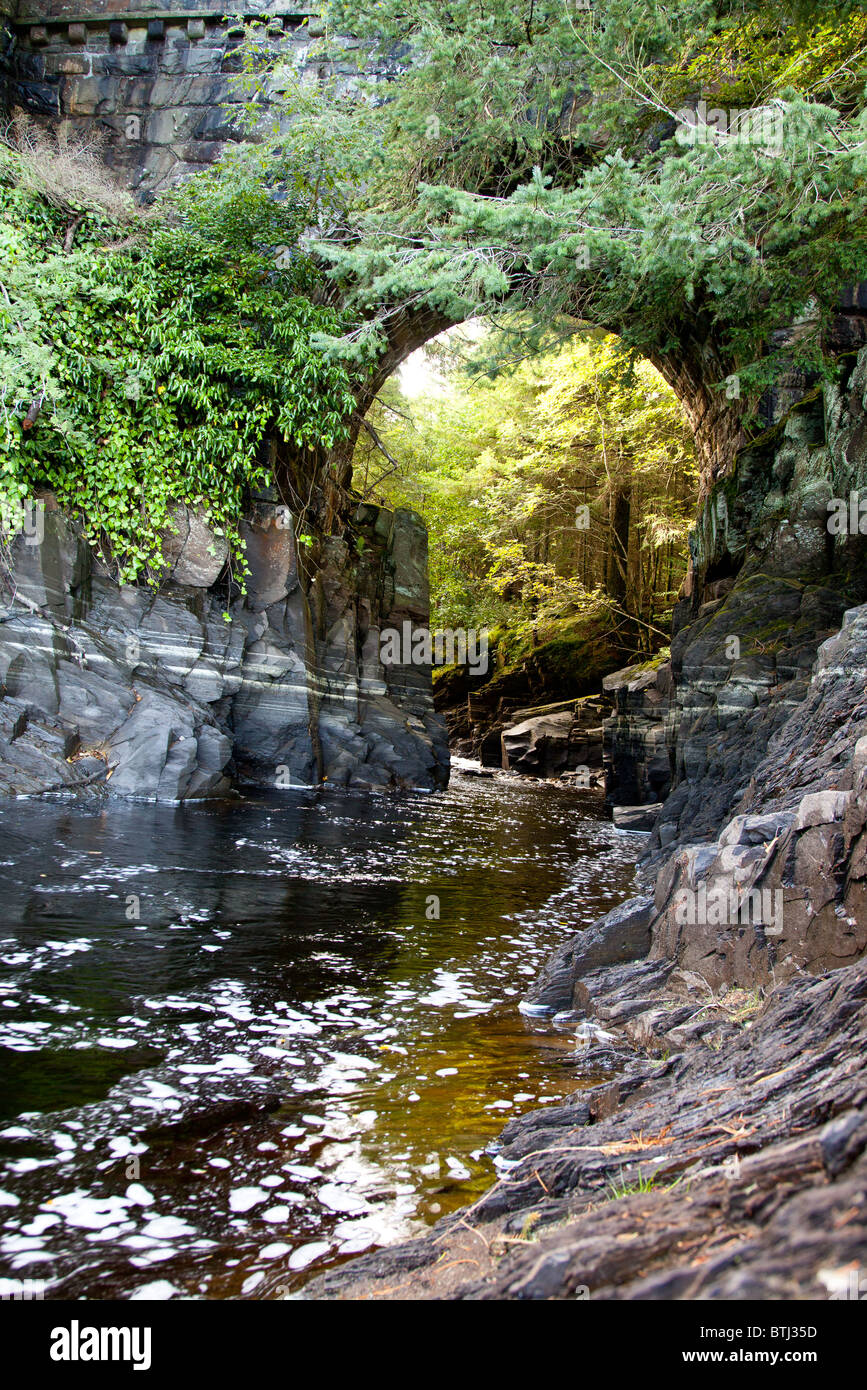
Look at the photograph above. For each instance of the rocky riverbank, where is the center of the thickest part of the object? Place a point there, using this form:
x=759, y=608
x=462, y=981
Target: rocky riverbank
x=725, y=1155
x=726, y=1158
x=719, y=1149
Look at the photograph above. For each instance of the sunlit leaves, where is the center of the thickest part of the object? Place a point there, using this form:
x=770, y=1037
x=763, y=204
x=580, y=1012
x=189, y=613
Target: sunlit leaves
x=500, y=468
x=555, y=182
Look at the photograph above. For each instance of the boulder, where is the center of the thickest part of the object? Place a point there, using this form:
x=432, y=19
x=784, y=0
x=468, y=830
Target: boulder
x=194, y=553
x=551, y=742
x=755, y=830
x=636, y=818
x=821, y=808
x=622, y=935
x=269, y=548
x=538, y=746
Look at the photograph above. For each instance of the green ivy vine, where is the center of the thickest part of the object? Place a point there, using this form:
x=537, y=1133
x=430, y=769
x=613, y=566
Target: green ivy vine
x=145, y=362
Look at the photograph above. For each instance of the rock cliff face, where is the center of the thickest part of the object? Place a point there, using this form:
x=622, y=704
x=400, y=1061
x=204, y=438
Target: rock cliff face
x=638, y=739
x=757, y=855
x=768, y=583
x=792, y=864
x=155, y=695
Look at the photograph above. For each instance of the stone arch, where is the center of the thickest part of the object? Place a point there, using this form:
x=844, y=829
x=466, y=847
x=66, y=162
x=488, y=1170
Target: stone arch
x=170, y=72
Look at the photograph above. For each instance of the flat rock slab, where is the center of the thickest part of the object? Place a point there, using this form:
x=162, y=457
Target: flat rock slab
x=622, y=935
x=636, y=818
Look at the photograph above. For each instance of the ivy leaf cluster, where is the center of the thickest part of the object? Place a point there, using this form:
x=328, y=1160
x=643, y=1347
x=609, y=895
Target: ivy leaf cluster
x=158, y=356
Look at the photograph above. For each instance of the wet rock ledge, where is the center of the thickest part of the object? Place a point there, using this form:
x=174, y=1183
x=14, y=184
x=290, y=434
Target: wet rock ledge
x=728, y=1160
x=726, y=1155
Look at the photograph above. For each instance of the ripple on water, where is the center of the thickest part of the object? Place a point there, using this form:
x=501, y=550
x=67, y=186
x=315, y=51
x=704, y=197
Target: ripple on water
x=283, y=1059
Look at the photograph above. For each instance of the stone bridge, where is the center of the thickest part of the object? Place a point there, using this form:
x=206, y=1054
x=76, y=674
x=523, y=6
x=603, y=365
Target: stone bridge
x=294, y=688
x=160, y=78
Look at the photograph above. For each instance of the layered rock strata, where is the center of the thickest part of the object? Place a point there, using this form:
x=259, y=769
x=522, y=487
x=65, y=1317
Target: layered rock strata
x=166, y=694
x=727, y=1159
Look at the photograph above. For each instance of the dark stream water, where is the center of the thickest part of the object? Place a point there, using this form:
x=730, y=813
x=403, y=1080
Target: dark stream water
x=284, y=1059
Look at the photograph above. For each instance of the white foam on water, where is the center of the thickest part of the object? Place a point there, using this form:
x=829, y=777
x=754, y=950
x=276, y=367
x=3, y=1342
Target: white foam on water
x=306, y=1254
x=158, y=1289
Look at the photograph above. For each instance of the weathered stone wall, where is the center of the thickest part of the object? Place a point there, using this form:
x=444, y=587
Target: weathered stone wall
x=158, y=80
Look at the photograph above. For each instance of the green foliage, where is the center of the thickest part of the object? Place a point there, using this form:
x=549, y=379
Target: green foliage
x=314, y=142
x=531, y=162
x=503, y=469
x=521, y=161
x=161, y=354
x=643, y=1183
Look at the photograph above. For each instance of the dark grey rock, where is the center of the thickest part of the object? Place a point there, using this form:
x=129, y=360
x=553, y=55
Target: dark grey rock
x=171, y=699
x=623, y=935
x=538, y=746
x=636, y=818
x=640, y=736
x=194, y=554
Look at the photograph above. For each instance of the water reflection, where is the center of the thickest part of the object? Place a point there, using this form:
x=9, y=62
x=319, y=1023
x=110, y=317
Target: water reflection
x=237, y=1041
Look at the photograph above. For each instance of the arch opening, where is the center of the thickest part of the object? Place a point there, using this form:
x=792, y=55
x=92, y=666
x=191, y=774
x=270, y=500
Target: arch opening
x=558, y=489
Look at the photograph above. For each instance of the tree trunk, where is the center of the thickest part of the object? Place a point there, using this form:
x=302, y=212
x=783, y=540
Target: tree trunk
x=619, y=508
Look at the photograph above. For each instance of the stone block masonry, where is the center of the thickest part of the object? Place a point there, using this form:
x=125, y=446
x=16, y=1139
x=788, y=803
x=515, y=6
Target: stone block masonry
x=158, y=80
